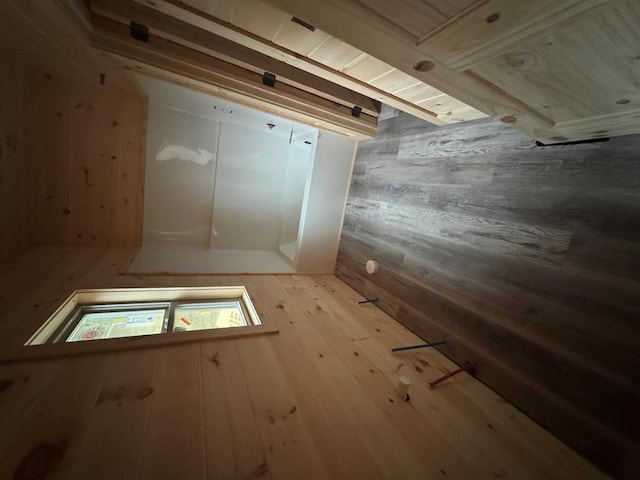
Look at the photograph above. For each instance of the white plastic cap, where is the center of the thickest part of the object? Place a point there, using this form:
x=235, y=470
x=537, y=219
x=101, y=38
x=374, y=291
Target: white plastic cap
x=372, y=266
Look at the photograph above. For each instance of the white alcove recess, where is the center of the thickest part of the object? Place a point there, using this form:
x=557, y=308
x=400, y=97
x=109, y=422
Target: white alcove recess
x=229, y=189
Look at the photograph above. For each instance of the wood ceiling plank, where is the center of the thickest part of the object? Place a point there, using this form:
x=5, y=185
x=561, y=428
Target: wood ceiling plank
x=299, y=39
x=395, y=81
x=495, y=26
x=449, y=8
x=208, y=22
x=555, y=73
x=193, y=37
x=367, y=68
x=223, y=9
x=603, y=126
x=442, y=103
x=415, y=17
x=259, y=18
x=347, y=20
x=420, y=92
x=114, y=37
x=464, y=113
x=335, y=53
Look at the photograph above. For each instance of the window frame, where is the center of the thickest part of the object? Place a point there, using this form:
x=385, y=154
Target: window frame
x=39, y=346
x=69, y=324
x=248, y=321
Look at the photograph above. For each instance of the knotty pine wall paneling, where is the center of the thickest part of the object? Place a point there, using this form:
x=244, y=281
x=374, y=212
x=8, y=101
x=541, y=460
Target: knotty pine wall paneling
x=13, y=216
x=524, y=258
x=85, y=165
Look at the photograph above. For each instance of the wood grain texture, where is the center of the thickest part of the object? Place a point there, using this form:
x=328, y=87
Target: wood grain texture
x=52, y=36
x=523, y=258
x=491, y=27
x=270, y=31
x=200, y=39
x=85, y=162
x=13, y=144
x=190, y=64
x=537, y=74
x=508, y=59
x=315, y=401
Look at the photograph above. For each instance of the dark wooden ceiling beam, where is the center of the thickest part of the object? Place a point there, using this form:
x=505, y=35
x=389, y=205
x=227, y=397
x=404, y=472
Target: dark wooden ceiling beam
x=281, y=99
x=197, y=16
x=197, y=38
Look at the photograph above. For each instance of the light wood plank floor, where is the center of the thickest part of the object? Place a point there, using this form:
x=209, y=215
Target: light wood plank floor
x=315, y=400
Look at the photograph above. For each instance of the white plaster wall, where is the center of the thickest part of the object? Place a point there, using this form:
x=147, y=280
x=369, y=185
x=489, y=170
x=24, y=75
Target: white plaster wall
x=199, y=260
x=181, y=151
x=200, y=104
x=211, y=159
x=324, y=205
x=298, y=172
x=251, y=174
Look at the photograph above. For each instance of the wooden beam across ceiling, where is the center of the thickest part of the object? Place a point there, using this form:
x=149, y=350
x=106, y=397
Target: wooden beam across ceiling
x=206, y=21
x=241, y=84
x=178, y=31
x=558, y=70
x=353, y=23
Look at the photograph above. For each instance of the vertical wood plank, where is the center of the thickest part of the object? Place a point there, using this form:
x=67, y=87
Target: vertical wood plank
x=492, y=438
x=391, y=455
x=47, y=441
x=117, y=427
x=174, y=440
x=132, y=171
x=48, y=127
x=232, y=442
x=297, y=404
x=330, y=423
x=83, y=163
x=13, y=157
x=20, y=388
x=287, y=444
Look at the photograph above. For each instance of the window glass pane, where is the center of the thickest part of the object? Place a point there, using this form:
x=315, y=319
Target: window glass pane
x=204, y=316
x=123, y=323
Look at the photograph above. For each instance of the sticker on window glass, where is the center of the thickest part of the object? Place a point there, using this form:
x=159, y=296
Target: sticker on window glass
x=194, y=317
x=140, y=319
x=100, y=325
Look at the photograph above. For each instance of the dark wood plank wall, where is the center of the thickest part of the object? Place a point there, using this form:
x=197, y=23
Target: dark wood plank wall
x=525, y=259
x=13, y=194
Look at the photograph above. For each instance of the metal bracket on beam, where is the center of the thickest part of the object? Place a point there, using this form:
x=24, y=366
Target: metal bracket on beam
x=356, y=111
x=269, y=79
x=139, y=31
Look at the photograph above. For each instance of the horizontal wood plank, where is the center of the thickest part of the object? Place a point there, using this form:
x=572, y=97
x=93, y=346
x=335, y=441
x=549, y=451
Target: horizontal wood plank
x=521, y=257
x=315, y=401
